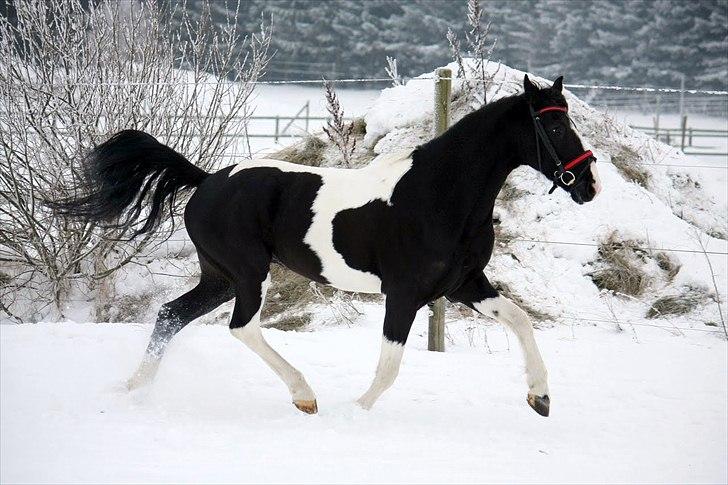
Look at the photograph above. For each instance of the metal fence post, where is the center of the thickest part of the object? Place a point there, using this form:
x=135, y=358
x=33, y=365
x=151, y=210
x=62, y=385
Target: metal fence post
x=443, y=85
x=308, y=113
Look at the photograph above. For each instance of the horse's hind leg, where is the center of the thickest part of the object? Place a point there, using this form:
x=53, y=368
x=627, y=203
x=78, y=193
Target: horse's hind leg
x=245, y=325
x=212, y=291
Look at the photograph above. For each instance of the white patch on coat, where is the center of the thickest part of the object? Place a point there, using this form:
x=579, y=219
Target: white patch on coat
x=251, y=336
x=390, y=359
x=343, y=189
x=510, y=314
x=597, y=181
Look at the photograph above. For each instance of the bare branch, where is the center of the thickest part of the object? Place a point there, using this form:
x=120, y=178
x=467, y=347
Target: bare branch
x=337, y=129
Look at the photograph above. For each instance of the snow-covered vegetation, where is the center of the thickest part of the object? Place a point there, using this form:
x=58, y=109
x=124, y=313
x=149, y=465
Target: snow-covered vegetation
x=609, y=42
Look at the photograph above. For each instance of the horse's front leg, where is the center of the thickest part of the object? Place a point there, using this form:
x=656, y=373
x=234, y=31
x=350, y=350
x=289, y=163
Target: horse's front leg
x=400, y=313
x=479, y=295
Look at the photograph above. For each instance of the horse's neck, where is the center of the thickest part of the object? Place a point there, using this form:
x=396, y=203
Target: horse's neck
x=463, y=176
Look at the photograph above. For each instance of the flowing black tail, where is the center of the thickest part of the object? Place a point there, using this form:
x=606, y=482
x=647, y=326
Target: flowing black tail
x=120, y=173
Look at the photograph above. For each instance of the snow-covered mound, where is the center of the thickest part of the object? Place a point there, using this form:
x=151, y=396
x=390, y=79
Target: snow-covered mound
x=668, y=211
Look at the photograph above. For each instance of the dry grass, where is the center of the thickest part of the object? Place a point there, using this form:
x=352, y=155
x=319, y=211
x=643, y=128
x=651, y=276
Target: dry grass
x=629, y=164
x=359, y=127
x=718, y=233
x=510, y=193
x=668, y=265
x=287, y=298
x=503, y=239
x=289, y=323
x=620, y=269
x=308, y=152
x=290, y=294
x=683, y=303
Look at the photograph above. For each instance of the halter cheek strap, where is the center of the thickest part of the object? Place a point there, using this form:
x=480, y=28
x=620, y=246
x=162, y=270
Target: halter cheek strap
x=563, y=171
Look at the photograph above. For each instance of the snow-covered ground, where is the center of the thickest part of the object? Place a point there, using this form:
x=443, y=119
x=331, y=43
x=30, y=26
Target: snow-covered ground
x=650, y=410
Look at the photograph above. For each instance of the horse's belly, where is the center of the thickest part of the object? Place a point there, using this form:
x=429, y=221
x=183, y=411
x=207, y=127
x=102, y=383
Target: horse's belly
x=349, y=279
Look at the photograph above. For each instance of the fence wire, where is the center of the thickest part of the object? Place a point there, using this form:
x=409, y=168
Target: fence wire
x=605, y=87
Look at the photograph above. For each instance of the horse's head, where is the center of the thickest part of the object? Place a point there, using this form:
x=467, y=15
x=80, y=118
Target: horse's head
x=558, y=152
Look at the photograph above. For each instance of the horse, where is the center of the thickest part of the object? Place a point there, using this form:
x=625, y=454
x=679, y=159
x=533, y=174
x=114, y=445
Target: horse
x=414, y=225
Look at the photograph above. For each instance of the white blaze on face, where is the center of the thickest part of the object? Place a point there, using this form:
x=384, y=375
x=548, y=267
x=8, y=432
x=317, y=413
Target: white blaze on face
x=597, y=181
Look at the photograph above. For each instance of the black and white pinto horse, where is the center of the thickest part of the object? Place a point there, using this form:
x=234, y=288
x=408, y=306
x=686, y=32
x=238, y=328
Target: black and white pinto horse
x=414, y=225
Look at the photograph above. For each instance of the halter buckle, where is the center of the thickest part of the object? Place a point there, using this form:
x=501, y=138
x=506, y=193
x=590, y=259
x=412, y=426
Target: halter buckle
x=567, y=177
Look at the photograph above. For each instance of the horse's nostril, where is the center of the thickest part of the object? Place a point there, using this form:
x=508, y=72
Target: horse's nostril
x=591, y=191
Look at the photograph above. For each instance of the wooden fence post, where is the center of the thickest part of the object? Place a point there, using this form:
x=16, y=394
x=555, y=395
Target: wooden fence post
x=443, y=85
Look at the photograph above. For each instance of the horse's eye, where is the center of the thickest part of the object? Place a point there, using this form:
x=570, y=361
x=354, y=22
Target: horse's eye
x=557, y=131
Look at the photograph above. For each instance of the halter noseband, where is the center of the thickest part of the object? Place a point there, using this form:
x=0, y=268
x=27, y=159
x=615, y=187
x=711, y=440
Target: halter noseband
x=563, y=171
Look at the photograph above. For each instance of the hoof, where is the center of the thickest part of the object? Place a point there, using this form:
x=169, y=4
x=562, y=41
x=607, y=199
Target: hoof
x=308, y=407
x=539, y=404
x=135, y=382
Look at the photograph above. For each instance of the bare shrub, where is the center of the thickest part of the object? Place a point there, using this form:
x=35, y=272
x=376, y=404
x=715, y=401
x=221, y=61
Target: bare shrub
x=689, y=298
x=73, y=73
x=392, y=71
x=630, y=166
x=337, y=129
x=620, y=266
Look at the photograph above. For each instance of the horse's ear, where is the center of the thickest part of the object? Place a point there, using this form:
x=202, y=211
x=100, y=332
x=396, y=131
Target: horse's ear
x=558, y=84
x=529, y=87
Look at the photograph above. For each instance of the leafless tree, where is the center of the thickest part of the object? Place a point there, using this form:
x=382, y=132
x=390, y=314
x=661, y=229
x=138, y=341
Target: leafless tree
x=73, y=74
x=392, y=71
x=337, y=129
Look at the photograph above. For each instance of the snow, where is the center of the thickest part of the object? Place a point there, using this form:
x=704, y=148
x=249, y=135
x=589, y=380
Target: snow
x=628, y=411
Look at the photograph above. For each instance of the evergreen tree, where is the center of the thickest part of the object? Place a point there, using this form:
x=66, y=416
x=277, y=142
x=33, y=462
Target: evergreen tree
x=635, y=42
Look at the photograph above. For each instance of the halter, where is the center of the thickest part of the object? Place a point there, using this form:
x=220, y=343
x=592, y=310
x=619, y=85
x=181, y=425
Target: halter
x=563, y=171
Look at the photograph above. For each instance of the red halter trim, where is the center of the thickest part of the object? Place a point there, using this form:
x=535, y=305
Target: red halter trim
x=584, y=156
x=552, y=108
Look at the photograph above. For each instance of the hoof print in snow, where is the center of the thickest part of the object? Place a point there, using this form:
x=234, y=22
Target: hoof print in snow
x=539, y=404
